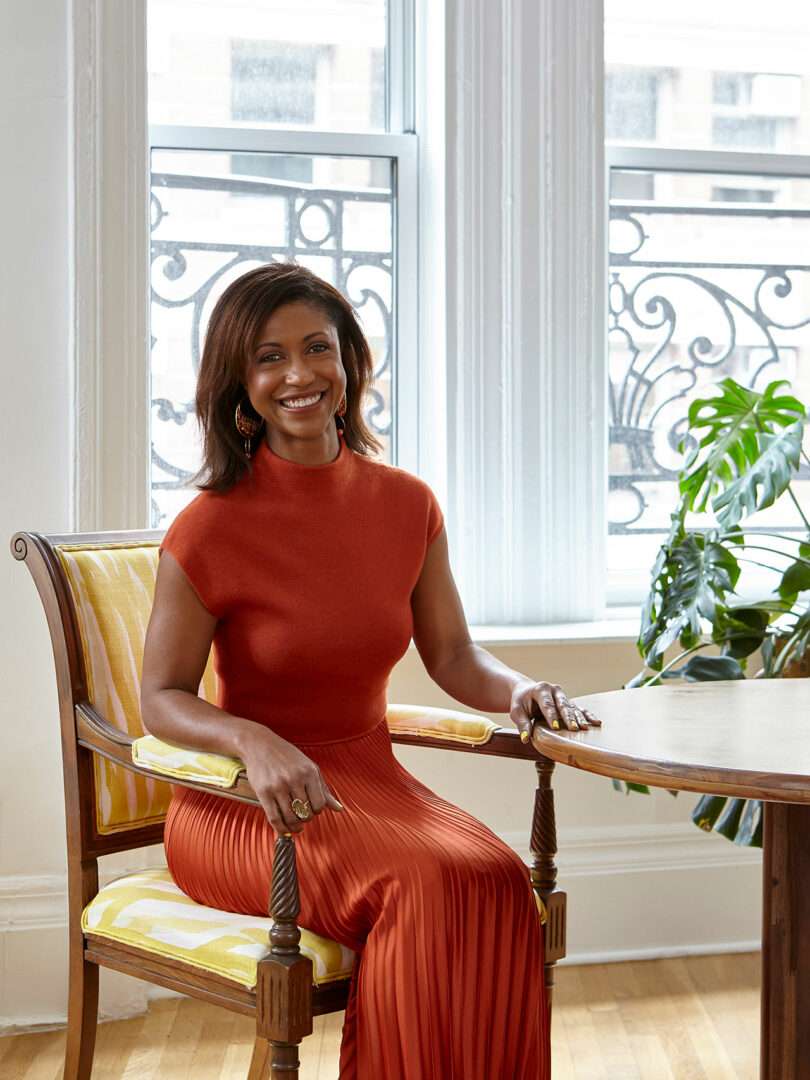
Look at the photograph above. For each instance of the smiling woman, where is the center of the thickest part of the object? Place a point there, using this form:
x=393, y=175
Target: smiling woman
x=278, y=333
x=294, y=377
x=310, y=565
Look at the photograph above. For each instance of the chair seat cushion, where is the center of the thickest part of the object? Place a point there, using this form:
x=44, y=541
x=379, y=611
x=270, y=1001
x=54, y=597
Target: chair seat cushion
x=148, y=911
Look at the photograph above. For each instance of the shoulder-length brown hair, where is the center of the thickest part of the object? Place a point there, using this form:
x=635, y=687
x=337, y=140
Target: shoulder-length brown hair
x=235, y=322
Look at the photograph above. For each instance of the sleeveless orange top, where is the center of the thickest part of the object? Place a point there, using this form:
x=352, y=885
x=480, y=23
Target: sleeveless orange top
x=309, y=570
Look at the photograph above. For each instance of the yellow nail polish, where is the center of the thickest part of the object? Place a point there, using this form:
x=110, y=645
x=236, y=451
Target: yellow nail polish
x=555, y=724
x=524, y=736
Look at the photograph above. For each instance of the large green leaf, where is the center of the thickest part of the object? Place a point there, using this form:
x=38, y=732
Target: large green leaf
x=711, y=669
x=626, y=786
x=795, y=579
x=694, y=577
x=731, y=423
x=739, y=820
x=659, y=578
x=749, y=831
x=707, y=810
x=729, y=820
x=761, y=482
x=741, y=630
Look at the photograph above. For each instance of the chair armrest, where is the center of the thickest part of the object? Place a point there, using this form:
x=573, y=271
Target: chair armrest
x=178, y=763
x=449, y=725
x=219, y=776
x=453, y=729
x=415, y=725
x=413, y=721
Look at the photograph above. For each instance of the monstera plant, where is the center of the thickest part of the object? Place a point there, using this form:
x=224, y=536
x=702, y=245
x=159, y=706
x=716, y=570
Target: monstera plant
x=743, y=450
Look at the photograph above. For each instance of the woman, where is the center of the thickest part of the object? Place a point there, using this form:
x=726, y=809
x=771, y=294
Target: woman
x=310, y=565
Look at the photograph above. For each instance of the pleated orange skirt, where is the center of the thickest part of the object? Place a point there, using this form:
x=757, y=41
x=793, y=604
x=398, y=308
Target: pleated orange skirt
x=448, y=984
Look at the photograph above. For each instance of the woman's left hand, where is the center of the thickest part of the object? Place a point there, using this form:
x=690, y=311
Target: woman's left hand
x=547, y=703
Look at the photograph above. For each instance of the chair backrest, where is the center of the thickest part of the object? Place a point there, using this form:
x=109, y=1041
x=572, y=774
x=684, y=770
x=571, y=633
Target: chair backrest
x=97, y=590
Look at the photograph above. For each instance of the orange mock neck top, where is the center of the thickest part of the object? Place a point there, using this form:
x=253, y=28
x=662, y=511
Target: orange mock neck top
x=309, y=570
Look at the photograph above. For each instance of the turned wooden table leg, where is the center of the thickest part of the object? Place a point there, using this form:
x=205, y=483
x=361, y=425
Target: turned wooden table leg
x=785, y=1050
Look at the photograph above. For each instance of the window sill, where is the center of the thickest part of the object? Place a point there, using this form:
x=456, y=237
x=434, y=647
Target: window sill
x=620, y=625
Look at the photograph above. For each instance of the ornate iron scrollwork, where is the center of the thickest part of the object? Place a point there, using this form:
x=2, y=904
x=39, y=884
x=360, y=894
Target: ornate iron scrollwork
x=677, y=324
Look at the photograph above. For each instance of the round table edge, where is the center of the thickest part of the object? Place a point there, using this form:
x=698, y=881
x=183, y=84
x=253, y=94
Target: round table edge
x=569, y=748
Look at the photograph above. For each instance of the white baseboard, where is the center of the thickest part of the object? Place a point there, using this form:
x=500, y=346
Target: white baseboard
x=642, y=892
x=618, y=956
x=639, y=849
x=634, y=893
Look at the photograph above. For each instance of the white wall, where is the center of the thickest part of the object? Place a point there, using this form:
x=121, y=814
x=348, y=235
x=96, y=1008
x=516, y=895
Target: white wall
x=34, y=446
x=35, y=493
x=641, y=880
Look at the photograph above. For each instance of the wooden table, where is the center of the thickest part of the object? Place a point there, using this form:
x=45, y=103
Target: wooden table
x=749, y=738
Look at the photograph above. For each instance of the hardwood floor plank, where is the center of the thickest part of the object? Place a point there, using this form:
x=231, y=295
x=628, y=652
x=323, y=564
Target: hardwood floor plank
x=209, y=1054
x=579, y=1031
x=604, y=1006
x=693, y=1018
x=50, y=1057
x=677, y=981
x=638, y=1023
x=144, y=1058
x=181, y=1042
x=665, y=1017
x=729, y=988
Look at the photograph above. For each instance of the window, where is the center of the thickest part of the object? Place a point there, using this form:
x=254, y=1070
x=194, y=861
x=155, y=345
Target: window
x=270, y=137
x=288, y=70
x=631, y=100
x=708, y=240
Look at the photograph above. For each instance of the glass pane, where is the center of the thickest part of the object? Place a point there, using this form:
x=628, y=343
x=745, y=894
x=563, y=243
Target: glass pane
x=306, y=63
x=216, y=216
x=728, y=75
x=709, y=277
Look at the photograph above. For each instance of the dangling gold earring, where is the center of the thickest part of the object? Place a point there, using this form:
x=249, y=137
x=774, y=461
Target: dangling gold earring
x=247, y=426
x=341, y=411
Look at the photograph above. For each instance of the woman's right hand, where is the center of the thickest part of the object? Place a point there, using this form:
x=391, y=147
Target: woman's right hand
x=279, y=772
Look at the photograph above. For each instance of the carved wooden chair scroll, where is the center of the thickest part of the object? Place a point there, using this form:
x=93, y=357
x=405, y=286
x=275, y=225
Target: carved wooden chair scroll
x=96, y=589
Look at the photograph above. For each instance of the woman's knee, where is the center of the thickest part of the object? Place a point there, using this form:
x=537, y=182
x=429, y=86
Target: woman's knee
x=479, y=867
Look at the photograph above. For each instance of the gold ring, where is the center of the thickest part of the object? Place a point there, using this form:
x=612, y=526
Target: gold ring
x=301, y=808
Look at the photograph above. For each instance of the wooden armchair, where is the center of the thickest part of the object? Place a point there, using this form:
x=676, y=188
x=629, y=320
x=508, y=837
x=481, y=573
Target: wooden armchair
x=97, y=590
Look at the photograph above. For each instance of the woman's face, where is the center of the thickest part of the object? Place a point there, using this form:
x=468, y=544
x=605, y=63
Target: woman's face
x=296, y=358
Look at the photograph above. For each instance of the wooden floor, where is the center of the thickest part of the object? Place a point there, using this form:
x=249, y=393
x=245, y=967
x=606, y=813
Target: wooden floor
x=687, y=1019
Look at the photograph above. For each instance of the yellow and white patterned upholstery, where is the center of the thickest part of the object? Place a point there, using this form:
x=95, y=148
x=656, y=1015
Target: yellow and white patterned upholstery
x=147, y=910
x=218, y=770
x=112, y=586
x=447, y=724
x=221, y=771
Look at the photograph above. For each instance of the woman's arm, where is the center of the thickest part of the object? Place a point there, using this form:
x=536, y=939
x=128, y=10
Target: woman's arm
x=178, y=641
x=466, y=671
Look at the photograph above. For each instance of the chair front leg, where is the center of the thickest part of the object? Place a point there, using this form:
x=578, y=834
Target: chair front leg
x=284, y=978
x=544, y=871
